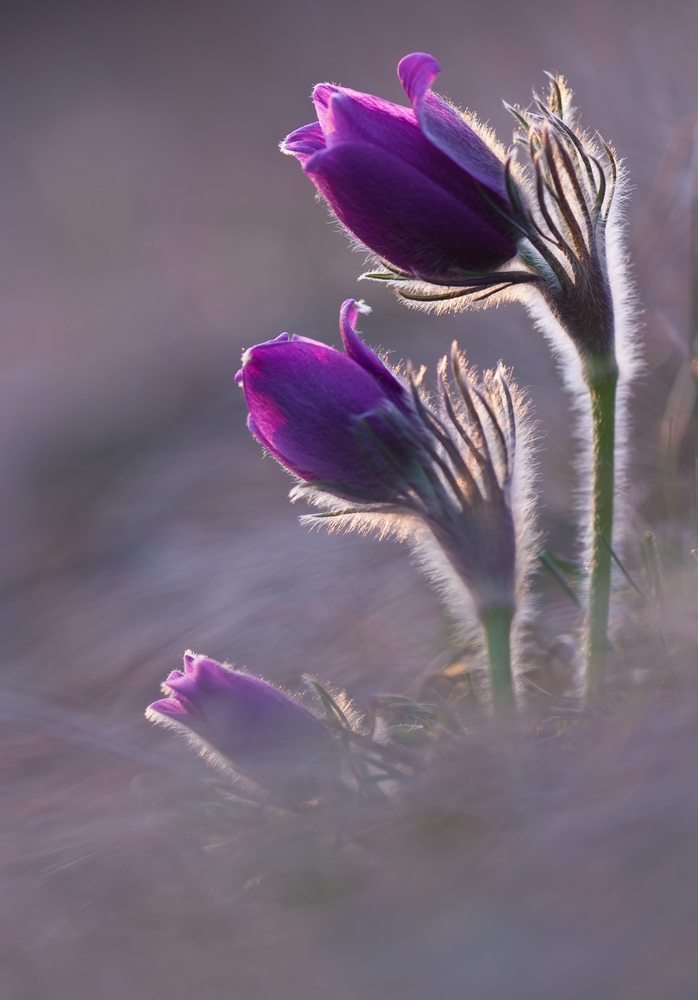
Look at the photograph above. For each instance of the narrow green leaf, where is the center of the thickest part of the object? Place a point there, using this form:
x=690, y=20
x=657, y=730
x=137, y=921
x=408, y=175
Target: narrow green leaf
x=380, y=276
x=332, y=709
x=549, y=563
x=624, y=571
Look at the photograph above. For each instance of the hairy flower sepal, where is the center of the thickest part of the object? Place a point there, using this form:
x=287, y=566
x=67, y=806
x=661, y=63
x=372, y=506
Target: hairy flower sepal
x=575, y=181
x=423, y=188
x=574, y=235
x=461, y=507
x=263, y=733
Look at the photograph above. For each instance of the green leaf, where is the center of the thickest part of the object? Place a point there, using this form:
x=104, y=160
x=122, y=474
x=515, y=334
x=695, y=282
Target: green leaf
x=624, y=571
x=550, y=564
x=330, y=706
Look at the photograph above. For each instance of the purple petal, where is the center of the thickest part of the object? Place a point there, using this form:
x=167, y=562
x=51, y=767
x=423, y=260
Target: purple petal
x=304, y=398
x=353, y=117
x=322, y=92
x=170, y=707
x=269, y=446
x=200, y=673
x=444, y=126
x=403, y=216
x=304, y=142
x=431, y=137
x=246, y=719
x=349, y=116
x=364, y=356
x=283, y=337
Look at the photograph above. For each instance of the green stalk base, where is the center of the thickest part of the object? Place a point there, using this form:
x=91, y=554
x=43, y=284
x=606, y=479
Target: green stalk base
x=602, y=390
x=497, y=625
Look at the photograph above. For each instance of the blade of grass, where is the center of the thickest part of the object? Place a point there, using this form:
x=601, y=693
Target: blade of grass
x=549, y=564
x=624, y=571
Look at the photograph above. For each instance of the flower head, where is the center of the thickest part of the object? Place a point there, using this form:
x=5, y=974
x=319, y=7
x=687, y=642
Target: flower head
x=249, y=722
x=418, y=186
x=448, y=468
x=329, y=417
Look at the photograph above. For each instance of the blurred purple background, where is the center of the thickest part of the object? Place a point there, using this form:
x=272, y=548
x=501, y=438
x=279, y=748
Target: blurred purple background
x=150, y=231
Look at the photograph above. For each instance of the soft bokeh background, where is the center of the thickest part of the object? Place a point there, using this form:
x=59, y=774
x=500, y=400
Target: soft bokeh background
x=150, y=231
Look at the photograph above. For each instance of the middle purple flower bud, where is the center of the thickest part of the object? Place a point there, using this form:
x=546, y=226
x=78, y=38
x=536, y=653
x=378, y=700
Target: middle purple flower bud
x=341, y=419
x=418, y=186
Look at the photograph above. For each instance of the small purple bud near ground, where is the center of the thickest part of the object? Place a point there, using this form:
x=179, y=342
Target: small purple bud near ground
x=419, y=187
x=262, y=732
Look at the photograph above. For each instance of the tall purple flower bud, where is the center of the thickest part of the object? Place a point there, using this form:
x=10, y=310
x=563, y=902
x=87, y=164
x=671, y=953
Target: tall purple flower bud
x=419, y=186
x=260, y=730
x=341, y=420
x=452, y=478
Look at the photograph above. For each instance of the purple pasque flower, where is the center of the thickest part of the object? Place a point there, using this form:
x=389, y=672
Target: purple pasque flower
x=258, y=728
x=418, y=186
x=329, y=417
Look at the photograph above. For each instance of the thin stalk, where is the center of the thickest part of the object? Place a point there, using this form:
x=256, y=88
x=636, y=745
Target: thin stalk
x=602, y=390
x=497, y=625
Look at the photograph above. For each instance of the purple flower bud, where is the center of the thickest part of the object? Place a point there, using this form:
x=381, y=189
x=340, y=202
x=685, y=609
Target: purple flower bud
x=328, y=416
x=419, y=187
x=245, y=719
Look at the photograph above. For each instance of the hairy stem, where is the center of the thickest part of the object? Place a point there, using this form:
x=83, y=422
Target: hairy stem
x=497, y=625
x=602, y=390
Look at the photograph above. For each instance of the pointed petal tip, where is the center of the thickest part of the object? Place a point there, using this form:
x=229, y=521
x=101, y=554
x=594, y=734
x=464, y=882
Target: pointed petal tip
x=322, y=92
x=303, y=142
x=350, y=311
x=359, y=352
x=348, y=315
x=449, y=131
x=171, y=708
x=417, y=72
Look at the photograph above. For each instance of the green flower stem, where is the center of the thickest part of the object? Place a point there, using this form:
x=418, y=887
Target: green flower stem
x=497, y=625
x=602, y=380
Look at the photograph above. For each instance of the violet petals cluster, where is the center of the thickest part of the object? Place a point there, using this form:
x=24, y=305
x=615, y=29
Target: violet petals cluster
x=245, y=720
x=329, y=417
x=418, y=186
x=426, y=190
